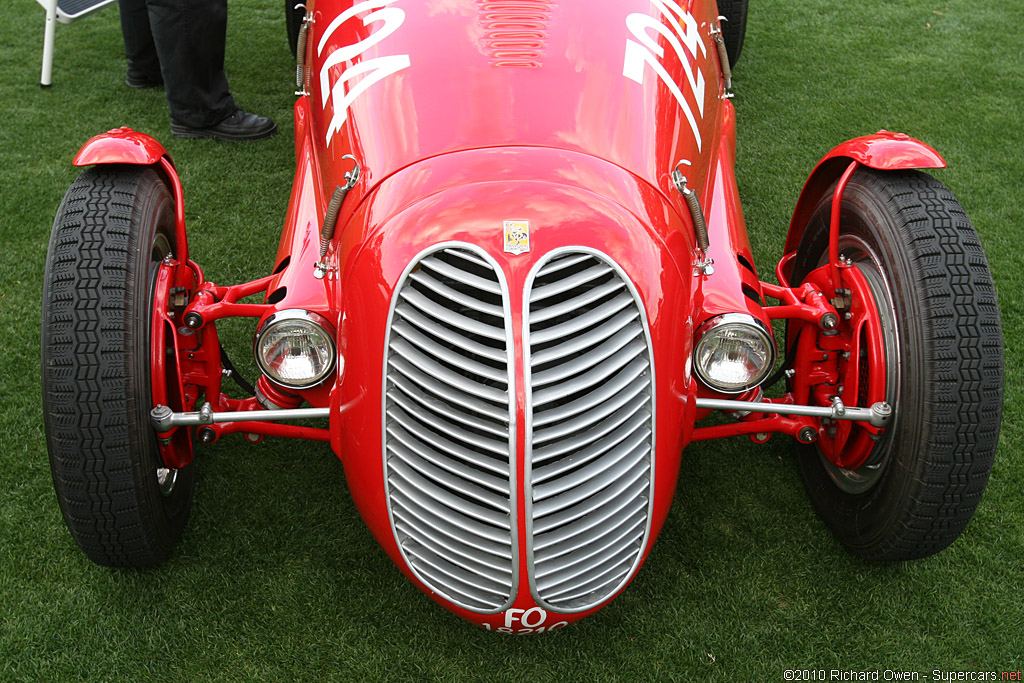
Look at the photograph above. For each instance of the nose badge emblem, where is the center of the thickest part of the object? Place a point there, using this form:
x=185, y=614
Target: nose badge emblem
x=517, y=236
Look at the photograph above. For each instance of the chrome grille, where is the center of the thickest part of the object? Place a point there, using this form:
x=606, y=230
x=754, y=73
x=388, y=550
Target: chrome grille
x=448, y=438
x=590, y=425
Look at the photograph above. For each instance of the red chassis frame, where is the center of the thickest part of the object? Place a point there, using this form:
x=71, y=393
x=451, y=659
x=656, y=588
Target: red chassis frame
x=826, y=362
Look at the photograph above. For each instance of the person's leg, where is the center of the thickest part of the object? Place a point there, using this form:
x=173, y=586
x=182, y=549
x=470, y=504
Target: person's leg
x=189, y=37
x=143, y=63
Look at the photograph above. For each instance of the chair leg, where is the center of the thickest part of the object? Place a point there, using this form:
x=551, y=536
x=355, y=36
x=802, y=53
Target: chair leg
x=48, y=36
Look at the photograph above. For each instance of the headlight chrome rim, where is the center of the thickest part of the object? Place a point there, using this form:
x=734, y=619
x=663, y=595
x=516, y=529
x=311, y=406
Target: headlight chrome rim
x=725, y=322
x=323, y=326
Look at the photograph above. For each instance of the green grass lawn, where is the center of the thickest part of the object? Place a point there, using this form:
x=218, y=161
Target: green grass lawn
x=276, y=577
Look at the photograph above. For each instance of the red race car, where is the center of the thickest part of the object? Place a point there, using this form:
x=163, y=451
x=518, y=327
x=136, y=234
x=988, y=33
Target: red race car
x=513, y=281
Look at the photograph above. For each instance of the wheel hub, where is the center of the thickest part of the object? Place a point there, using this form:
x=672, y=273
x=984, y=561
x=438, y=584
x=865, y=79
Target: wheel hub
x=176, y=449
x=166, y=478
x=856, y=358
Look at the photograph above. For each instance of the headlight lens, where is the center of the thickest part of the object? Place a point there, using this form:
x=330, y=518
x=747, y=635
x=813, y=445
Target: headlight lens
x=295, y=348
x=734, y=353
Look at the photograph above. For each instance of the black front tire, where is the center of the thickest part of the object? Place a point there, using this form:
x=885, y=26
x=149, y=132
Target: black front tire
x=293, y=22
x=926, y=475
x=123, y=507
x=734, y=28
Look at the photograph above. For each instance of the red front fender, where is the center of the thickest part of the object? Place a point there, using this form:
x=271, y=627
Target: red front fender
x=884, y=151
x=127, y=146
x=120, y=146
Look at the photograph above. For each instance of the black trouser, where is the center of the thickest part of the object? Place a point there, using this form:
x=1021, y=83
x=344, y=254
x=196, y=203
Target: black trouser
x=181, y=41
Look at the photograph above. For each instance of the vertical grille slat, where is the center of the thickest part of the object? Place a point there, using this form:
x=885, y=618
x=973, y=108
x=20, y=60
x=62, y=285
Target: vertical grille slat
x=574, y=346
x=604, y=417
x=590, y=406
x=465, y=531
x=590, y=358
x=597, y=375
x=450, y=317
x=402, y=368
x=424, y=343
x=426, y=324
x=449, y=427
x=440, y=408
x=430, y=429
x=468, y=385
x=578, y=323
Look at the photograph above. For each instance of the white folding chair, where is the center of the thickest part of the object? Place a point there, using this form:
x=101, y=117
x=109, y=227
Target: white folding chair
x=64, y=11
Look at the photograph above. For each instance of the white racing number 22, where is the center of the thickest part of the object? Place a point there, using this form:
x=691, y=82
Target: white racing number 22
x=683, y=36
x=371, y=70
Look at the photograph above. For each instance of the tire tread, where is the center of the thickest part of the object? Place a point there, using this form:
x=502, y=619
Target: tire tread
x=92, y=430
x=963, y=321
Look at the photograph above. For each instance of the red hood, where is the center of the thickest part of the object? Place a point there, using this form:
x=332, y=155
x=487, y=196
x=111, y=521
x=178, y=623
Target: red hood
x=398, y=81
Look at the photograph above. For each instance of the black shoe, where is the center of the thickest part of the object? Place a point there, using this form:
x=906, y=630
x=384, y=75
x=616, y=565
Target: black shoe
x=139, y=80
x=239, y=126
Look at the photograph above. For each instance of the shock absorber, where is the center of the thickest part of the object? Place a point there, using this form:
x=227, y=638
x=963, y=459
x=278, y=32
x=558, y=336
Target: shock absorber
x=700, y=226
x=723, y=56
x=320, y=268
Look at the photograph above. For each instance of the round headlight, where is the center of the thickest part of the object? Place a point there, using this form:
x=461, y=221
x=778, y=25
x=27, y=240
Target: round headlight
x=734, y=353
x=295, y=348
